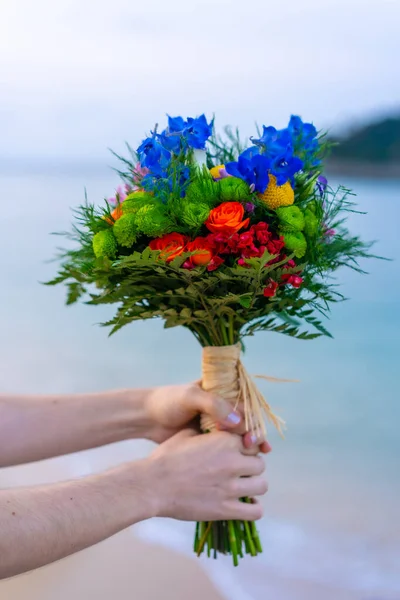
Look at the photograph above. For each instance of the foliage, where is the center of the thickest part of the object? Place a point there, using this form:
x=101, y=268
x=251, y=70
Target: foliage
x=261, y=267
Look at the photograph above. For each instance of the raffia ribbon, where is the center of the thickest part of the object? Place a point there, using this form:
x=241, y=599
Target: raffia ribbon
x=225, y=375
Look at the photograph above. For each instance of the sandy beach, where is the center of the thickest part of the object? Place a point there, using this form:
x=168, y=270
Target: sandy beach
x=120, y=568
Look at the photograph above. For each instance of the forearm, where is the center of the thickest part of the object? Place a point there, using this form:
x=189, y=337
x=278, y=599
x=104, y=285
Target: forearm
x=43, y=524
x=37, y=427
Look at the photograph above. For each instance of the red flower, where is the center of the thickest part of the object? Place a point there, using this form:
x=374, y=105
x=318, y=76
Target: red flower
x=171, y=245
x=215, y=262
x=203, y=252
x=275, y=246
x=290, y=264
x=261, y=232
x=296, y=281
x=252, y=252
x=219, y=242
x=293, y=280
x=245, y=239
x=270, y=290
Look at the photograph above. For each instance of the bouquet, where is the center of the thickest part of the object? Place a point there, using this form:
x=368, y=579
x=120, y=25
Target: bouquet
x=226, y=239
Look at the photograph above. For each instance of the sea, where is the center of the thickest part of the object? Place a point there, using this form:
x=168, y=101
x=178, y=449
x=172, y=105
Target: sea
x=332, y=513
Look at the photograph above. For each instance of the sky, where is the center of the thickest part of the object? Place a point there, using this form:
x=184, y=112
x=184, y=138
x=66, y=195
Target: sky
x=79, y=76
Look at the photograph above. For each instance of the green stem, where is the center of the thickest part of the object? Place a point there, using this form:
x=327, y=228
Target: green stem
x=231, y=330
x=232, y=540
x=224, y=333
x=196, y=537
x=256, y=537
x=239, y=538
x=205, y=530
x=249, y=537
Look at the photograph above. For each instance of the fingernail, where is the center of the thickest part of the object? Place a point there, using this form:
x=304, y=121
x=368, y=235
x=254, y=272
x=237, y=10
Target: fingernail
x=233, y=418
x=253, y=439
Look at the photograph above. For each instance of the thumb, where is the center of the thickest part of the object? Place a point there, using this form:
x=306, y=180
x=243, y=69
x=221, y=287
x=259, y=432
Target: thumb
x=220, y=410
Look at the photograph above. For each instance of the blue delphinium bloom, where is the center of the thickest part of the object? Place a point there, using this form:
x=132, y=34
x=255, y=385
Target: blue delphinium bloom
x=176, y=124
x=305, y=131
x=153, y=156
x=172, y=141
x=268, y=137
x=277, y=146
x=197, y=131
x=305, y=139
x=284, y=166
x=175, y=175
x=252, y=167
x=181, y=135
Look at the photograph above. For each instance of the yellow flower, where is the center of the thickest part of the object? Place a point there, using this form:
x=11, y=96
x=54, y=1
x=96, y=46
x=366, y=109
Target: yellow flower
x=277, y=195
x=214, y=172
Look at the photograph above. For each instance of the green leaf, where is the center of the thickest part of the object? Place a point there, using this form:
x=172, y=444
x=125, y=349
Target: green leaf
x=246, y=300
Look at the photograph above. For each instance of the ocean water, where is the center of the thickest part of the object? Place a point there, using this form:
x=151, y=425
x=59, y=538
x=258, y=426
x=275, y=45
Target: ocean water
x=332, y=513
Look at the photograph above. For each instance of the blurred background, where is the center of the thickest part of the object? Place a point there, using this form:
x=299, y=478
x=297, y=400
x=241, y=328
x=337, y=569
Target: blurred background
x=78, y=77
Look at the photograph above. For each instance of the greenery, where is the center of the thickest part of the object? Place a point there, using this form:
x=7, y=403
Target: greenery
x=227, y=303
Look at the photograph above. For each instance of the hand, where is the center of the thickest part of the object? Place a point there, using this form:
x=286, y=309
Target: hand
x=172, y=408
x=202, y=477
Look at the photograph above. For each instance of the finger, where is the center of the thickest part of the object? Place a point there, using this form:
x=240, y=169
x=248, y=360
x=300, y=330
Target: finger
x=249, y=466
x=250, y=440
x=243, y=511
x=248, y=487
x=265, y=447
x=217, y=408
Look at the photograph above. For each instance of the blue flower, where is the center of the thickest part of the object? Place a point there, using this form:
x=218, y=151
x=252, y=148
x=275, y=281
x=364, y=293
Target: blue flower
x=197, y=131
x=284, y=166
x=176, y=124
x=252, y=167
x=153, y=156
x=175, y=175
x=277, y=146
x=181, y=134
x=304, y=136
x=305, y=131
x=172, y=141
x=268, y=137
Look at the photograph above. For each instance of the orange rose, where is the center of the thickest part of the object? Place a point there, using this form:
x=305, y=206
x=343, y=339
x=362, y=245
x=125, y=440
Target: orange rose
x=171, y=245
x=227, y=218
x=203, y=250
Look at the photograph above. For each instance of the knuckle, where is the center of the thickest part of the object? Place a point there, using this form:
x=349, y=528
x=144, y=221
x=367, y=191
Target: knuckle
x=234, y=488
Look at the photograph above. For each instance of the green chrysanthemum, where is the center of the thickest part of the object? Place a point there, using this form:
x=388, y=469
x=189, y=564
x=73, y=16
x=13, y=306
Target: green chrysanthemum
x=194, y=215
x=152, y=220
x=104, y=244
x=311, y=224
x=135, y=201
x=204, y=191
x=234, y=189
x=295, y=242
x=290, y=218
x=312, y=206
x=125, y=230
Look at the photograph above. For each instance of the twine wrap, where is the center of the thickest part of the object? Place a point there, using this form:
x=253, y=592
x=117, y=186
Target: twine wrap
x=223, y=374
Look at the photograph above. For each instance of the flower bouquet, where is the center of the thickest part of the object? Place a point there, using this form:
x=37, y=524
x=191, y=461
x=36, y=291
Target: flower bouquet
x=225, y=239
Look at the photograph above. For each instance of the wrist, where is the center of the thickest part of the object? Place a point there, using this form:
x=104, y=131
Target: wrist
x=131, y=414
x=135, y=491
